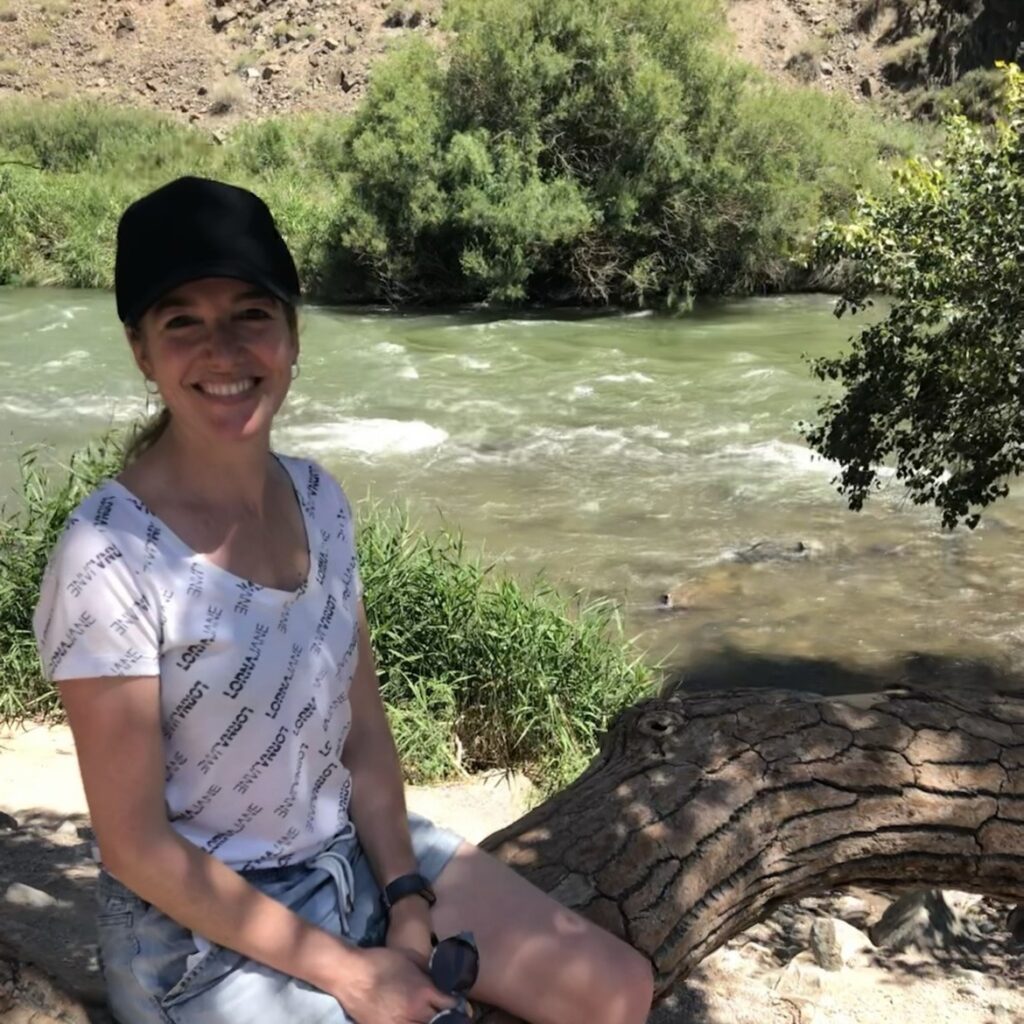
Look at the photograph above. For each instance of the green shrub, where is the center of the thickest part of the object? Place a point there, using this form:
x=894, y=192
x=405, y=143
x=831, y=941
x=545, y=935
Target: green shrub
x=604, y=151
x=477, y=671
x=555, y=151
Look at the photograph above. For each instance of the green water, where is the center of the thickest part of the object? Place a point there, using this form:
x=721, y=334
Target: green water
x=625, y=455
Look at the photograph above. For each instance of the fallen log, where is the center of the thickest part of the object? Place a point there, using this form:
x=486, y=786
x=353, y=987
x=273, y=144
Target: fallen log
x=702, y=813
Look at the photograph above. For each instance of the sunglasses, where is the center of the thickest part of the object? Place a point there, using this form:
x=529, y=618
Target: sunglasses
x=453, y=967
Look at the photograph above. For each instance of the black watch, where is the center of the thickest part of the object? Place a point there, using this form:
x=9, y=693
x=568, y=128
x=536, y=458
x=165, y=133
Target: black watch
x=406, y=885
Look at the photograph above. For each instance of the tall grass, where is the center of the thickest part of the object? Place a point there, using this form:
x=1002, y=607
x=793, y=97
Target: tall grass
x=480, y=671
x=477, y=670
x=28, y=533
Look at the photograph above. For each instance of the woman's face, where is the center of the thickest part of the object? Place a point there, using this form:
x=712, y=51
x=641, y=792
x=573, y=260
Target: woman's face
x=221, y=352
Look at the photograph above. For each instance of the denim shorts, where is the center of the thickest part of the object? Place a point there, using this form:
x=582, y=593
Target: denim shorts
x=158, y=972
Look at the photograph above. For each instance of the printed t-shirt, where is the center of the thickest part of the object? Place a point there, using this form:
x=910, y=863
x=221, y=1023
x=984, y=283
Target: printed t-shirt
x=254, y=681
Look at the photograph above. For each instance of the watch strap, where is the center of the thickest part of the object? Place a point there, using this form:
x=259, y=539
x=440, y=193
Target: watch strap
x=406, y=885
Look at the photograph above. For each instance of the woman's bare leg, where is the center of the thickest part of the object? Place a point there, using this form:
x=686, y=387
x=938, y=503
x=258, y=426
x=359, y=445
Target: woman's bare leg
x=539, y=960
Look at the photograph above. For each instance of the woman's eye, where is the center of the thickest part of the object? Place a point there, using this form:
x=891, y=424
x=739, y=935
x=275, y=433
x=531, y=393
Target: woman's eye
x=254, y=313
x=179, y=321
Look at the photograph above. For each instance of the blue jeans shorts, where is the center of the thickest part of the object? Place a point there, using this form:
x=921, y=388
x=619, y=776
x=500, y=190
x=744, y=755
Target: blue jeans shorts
x=158, y=972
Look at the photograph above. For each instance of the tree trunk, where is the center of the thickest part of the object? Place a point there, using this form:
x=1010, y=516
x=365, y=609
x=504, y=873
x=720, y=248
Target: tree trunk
x=702, y=813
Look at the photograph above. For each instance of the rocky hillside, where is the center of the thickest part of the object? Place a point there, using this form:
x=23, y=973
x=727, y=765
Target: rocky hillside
x=215, y=61
x=209, y=61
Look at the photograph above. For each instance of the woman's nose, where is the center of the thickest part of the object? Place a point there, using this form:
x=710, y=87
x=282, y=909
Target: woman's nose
x=222, y=340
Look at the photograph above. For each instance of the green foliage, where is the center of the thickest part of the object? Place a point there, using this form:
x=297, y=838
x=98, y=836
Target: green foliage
x=27, y=535
x=68, y=171
x=477, y=671
x=937, y=385
x=607, y=151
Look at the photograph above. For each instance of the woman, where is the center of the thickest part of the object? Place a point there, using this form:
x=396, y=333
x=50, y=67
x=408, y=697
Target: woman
x=202, y=616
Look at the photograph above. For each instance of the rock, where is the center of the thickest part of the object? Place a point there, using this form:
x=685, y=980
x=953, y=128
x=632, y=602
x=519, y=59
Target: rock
x=125, y=26
x=29, y=996
x=25, y=896
x=202, y=90
x=218, y=136
x=314, y=60
x=151, y=85
x=396, y=19
x=867, y=88
x=1015, y=923
x=825, y=945
x=347, y=85
x=705, y=592
x=252, y=73
x=827, y=67
x=771, y=551
x=851, y=908
x=222, y=18
x=922, y=920
x=331, y=44
x=8, y=823
x=8, y=16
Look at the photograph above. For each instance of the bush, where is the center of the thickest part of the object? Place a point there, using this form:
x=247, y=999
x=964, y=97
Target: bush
x=477, y=671
x=601, y=152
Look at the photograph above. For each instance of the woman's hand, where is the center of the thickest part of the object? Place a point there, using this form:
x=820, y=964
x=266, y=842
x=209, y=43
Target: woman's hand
x=386, y=987
x=409, y=930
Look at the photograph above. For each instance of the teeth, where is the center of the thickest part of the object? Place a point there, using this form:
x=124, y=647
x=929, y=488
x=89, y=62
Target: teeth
x=234, y=388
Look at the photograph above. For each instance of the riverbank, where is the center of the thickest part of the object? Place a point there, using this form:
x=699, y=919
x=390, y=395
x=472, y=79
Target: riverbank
x=767, y=975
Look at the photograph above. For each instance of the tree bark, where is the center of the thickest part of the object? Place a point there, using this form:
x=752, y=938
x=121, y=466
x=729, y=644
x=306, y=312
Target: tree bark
x=702, y=813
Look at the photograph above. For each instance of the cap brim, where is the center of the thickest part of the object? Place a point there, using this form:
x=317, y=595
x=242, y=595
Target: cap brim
x=232, y=269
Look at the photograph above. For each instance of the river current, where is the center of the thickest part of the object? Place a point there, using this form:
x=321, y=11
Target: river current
x=626, y=455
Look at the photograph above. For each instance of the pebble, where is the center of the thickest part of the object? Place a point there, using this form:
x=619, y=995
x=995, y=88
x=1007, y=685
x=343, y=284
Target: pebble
x=22, y=895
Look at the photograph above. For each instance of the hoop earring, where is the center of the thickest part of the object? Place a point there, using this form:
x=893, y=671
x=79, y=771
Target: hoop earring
x=296, y=370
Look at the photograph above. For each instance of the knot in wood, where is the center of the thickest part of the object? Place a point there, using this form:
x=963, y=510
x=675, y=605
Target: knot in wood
x=660, y=723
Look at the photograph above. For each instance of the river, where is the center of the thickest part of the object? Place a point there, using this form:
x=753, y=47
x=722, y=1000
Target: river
x=627, y=455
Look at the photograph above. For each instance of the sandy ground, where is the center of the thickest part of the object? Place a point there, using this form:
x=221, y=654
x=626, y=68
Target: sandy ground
x=764, y=976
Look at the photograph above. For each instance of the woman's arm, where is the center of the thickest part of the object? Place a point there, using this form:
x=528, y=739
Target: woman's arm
x=378, y=800
x=116, y=725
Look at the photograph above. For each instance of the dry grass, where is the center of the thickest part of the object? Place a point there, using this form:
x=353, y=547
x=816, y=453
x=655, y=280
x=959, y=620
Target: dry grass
x=8, y=67
x=227, y=97
x=38, y=36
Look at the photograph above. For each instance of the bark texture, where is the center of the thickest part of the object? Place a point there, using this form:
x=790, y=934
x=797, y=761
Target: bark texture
x=702, y=813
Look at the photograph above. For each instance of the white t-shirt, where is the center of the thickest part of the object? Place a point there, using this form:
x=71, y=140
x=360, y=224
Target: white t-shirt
x=254, y=681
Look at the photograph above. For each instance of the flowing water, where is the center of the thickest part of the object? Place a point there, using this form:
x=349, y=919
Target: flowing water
x=627, y=455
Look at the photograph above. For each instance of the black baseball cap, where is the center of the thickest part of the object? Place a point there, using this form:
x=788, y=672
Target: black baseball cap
x=193, y=228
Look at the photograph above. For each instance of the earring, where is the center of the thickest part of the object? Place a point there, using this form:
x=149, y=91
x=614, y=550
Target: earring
x=155, y=389
x=295, y=371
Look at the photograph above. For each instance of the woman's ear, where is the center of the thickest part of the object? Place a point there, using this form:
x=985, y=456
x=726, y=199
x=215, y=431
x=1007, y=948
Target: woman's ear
x=137, y=343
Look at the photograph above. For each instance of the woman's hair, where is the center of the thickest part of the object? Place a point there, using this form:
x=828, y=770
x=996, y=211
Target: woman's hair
x=147, y=433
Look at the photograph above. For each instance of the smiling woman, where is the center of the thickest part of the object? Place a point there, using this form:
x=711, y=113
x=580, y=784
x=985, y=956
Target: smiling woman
x=202, y=615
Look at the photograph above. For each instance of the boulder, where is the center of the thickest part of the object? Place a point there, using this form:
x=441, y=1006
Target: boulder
x=922, y=919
